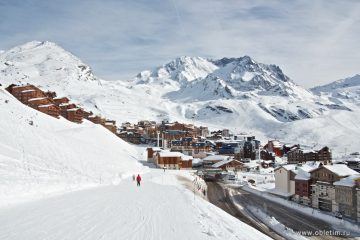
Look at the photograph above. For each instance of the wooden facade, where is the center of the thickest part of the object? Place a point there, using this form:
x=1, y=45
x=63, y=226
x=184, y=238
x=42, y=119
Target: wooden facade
x=303, y=188
x=301, y=156
x=50, y=109
x=74, y=115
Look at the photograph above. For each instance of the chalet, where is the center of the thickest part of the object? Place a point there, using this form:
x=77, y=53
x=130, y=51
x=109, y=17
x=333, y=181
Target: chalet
x=96, y=119
x=230, y=164
x=35, y=102
x=250, y=166
x=265, y=155
x=210, y=160
x=176, y=134
x=74, y=115
x=131, y=137
x=25, y=92
x=150, y=153
x=299, y=155
x=303, y=182
x=172, y=160
x=346, y=191
x=110, y=125
x=274, y=146
x=50, y=94
x=60, y=100
x=50, y=109
x=188, y=147
x=285, y=180
x=323, y=190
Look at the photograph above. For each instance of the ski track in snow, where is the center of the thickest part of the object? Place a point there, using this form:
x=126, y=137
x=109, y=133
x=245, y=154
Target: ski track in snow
x=153, y=211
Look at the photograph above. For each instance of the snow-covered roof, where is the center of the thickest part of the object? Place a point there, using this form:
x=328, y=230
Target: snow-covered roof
x=170, y=154
x=34, y=99
x=216, y=158
x=251, y=164
x=287, y=167
x=309, y=166
x=72, y=109
x=302, y=175
x=186, y=157
x=223, y=162
x=67, y=104
x=348, y=181
x=340, y=169
x=47, y=105
x=29, y=90
x=277, y=144
x=156, y=149
x=308, y=151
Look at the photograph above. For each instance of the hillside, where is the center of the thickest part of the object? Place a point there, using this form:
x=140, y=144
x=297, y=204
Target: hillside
x=343, y=90
x=40, y=155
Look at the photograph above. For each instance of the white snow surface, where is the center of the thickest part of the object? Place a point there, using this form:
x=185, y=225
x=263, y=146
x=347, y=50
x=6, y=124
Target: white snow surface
x=62, y=180
x=238, y=93
x=161, y=208
x=41, y=155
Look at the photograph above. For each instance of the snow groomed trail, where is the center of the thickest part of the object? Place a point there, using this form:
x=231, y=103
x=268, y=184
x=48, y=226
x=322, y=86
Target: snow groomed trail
x=161, y=208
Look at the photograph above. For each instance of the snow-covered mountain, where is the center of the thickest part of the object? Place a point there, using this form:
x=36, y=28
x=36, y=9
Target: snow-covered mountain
x=182, y=69
x=242, y=78
x=236, y=93
x=347, y=89
x=48, y=66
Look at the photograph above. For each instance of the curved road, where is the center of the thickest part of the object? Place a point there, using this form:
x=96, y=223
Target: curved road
x=220, y=198
x=291, y=218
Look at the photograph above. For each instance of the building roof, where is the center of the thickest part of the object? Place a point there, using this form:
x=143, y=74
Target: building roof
x=251, y=164
x=277, y=144
x=47, y=105
x=34, y=99
x=216, y=158
x=287, y=167
x=340, y=169
x=72, y=109
x=156, y=149
x=170, y=154
x=223, y=162
x=348, y=181
x=186, y=157
x=28, y=90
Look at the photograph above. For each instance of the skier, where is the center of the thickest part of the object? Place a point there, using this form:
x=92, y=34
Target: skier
x=133, y=177
x=138, y=180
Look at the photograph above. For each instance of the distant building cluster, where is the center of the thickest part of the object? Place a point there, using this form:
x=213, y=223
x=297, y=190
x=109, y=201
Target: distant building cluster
x=328, y=187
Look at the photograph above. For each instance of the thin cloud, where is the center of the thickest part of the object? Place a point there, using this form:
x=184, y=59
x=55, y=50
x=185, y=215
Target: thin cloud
x=313, y=42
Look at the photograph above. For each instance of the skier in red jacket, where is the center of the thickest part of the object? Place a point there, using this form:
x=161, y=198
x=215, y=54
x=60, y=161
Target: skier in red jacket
x=138, y=180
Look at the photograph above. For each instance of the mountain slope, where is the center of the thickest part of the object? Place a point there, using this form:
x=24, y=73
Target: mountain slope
x=347, y=89
x=40, y=154
x=48, y=66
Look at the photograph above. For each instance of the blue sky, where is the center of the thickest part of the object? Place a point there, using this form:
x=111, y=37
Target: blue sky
x=314, y=42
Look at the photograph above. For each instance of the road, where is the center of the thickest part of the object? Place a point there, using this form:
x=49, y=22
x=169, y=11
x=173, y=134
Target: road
x=291, y=218
x=219, y=197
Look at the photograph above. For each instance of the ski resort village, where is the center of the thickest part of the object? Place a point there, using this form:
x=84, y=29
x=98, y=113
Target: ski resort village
x=168, y=120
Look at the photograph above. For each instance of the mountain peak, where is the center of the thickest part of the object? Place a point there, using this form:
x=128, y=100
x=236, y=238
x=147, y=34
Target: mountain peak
x=182, y=69
x=44, y=64
x=225, y=60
